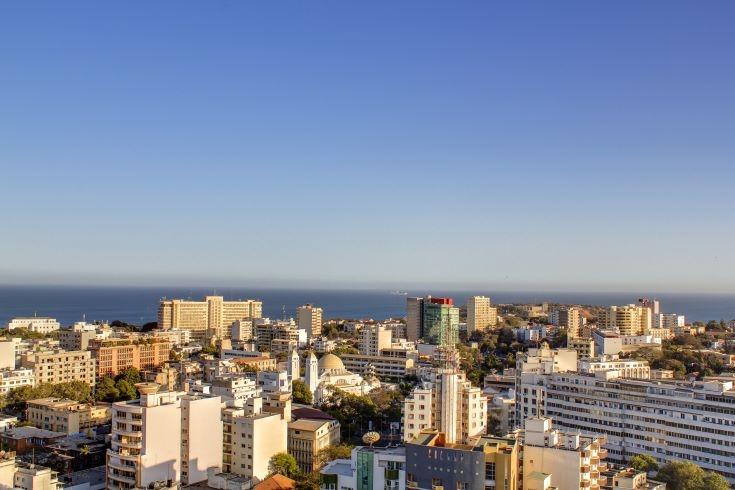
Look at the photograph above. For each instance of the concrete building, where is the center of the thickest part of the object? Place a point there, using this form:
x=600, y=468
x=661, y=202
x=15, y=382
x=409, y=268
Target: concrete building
x=211, y=318
x=480, y=314
x=626, y=320
x=36, y=324
x=309, y=318
x=569, y=318
x=374, y=338
x=114, y=355
x=307, y=437
x=432, y=462
x=669, y=420
x=570, y=460
x=323, y=345
x=70, y=339
x=433, y=320
x=447, y=403
x=625, y=368
x=267, y=332
x=369, y=468
x=235, y=389
x=585, y=347
x=7, y=354
x=385, y=367
x=24, y=476
x=251, y=437
x=67, y=416
x=61, y=366
x=164, y=438
x=15, y=378
x=669, y=321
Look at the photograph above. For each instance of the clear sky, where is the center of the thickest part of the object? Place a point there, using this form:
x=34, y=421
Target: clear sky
x=537, y=145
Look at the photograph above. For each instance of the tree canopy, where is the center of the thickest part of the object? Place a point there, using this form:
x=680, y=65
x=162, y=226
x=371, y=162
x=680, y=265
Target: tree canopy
x=284, y=464
x=301, y=393
x=685, y=475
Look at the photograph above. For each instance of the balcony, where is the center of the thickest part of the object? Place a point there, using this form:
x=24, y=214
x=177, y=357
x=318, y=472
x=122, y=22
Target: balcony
x=602, y=453
x=602, y=467
x=602, y=480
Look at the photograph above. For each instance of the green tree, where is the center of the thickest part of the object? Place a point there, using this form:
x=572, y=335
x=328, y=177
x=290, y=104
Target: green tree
x=682, y=475
x=129, y=374
x=715, y=481
x=301, y=393
x=126, y=390
x=106, y=390
x=338, y=451
x=284, y=464
x=644, y=462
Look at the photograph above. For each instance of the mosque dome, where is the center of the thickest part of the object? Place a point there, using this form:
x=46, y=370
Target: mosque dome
x=330, y=362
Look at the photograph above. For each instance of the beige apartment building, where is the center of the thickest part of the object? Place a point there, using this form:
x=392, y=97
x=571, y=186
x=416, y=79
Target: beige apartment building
x=571, y=319
x=309, y=318
x=307, y=437
x=566, y=459
x=252, y=435
x=60, y=366
x=480, y=314
x=626, y=320
x=66, y=416
x=211, y=318
x=115, y=355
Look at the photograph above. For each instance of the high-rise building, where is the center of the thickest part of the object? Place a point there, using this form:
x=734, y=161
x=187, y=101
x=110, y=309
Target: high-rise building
x=484, y=462
x=570, y=319
x=414, y=318
x=440, y=325
x=309, y=318
x=480, y=314
x=447, y=403
x=164, y=438
x=626, y=320
x=211, y=318
x=60, y=366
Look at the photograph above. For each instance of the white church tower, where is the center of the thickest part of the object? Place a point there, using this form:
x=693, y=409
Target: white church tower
x=312, y=372
x=294, y=366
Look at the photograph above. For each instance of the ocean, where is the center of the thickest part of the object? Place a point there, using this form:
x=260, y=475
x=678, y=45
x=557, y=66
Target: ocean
x=138, y=305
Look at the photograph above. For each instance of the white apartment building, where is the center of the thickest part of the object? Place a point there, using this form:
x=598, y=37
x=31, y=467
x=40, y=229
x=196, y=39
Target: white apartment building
x=447, y=402
x=309, y=318
x=480, y=314
x=15, y=378
x=24, y=476
x=324, y=345
x=36, y=324
x=626, y=368
x=571, y=461
x=163, y=437
x=251, y=437
x=374, y=338
x=235, y=389
x=669, y=420
x=274, y=381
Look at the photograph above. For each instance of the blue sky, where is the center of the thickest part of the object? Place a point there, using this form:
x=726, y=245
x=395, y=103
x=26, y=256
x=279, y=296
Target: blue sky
x=519, y=145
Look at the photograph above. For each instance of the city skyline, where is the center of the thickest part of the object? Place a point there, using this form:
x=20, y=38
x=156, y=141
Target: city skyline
x=499, y=147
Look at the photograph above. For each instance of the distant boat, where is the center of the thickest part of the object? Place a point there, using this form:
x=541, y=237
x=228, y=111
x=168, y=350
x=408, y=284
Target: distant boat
x=399, y=293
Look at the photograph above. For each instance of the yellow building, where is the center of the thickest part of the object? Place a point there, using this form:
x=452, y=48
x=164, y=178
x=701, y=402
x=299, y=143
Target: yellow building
x=209, y=318
x=307, y=437
x=66, y=416
x=309, y=318
x=480, y=315
x=627, y=320
x=61, y=366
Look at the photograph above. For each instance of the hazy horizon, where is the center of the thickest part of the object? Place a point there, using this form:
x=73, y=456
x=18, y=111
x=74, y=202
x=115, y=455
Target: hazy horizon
x=496, y=145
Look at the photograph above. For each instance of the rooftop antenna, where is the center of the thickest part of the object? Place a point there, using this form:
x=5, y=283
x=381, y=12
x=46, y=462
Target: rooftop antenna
x=283, y=312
